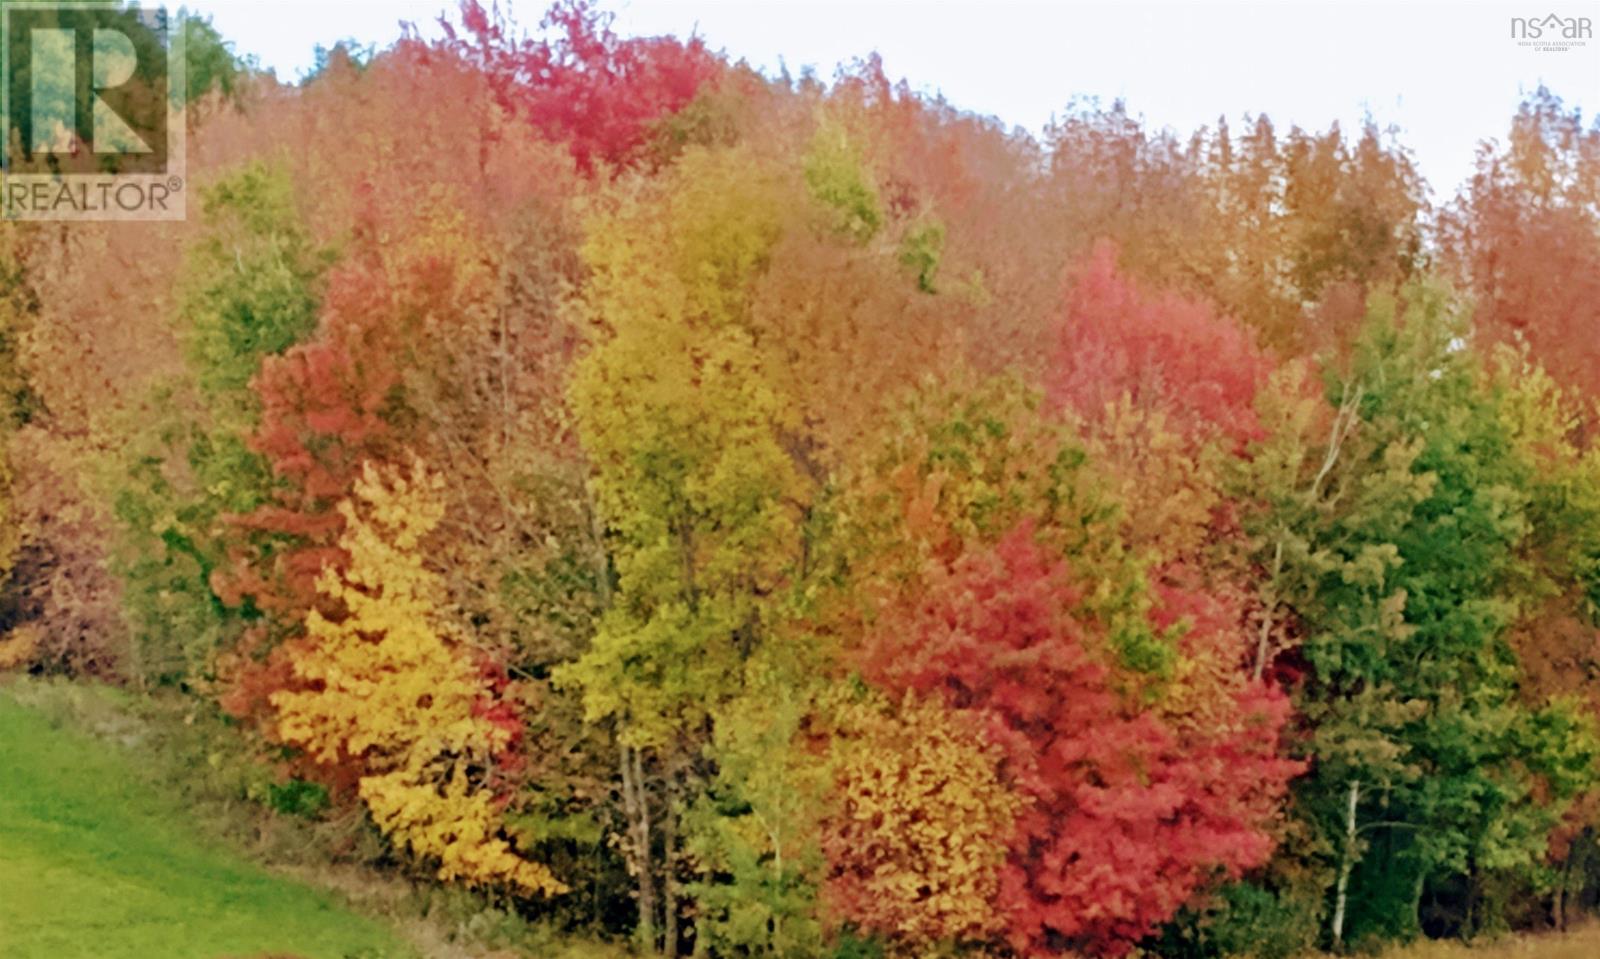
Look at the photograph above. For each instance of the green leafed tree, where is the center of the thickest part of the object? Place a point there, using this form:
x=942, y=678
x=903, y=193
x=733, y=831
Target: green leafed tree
x=1396, y=530
x=249, y=290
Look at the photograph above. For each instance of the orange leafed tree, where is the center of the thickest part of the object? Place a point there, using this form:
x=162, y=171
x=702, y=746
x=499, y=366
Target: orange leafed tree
x=1524, y=237
x=918, y=836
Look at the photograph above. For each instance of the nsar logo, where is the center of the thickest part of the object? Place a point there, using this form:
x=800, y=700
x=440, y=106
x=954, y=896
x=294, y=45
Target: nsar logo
x=1553, y=33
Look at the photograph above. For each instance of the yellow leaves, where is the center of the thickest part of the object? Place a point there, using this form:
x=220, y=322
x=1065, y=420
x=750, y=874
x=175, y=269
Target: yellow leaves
x=922, y=825
x=683, y=251
x=1533, y=409
x=1167, y=488
x=390, y=687
x=684, y=429
x=1294, y=418
x=19, y=647
x=453, y=822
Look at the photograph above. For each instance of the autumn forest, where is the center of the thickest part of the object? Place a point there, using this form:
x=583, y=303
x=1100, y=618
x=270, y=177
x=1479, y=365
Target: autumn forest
x=723, y=514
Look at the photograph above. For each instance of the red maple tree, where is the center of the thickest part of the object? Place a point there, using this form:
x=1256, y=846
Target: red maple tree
x=1201, y=367
x=1128, y=815
x=586, y=87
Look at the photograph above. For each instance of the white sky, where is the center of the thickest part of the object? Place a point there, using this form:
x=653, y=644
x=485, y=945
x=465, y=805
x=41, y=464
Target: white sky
x=1448, y=74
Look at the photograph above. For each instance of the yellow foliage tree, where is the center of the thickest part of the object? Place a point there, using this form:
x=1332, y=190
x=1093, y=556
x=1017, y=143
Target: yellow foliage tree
x=389, y=685
x=922, y=825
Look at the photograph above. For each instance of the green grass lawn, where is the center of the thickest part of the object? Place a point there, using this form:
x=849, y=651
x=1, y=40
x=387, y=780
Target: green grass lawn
x=95, y=863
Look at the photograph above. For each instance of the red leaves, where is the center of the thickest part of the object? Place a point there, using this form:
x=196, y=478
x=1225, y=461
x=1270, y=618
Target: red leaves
x=500, y=710
x=588, y=88
x=320, y=415
x=321, y=419
x=1179, y=355
x=1129, y=815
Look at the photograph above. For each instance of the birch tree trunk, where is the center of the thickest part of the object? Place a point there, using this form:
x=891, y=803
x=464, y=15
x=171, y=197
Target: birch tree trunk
x=1346, y=864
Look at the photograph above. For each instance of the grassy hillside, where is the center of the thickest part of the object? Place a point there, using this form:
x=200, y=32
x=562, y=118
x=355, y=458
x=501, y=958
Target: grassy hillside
x=96, y=863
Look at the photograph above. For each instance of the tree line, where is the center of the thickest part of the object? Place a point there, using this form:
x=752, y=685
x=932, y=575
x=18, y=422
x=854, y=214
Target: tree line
x=765, y=516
